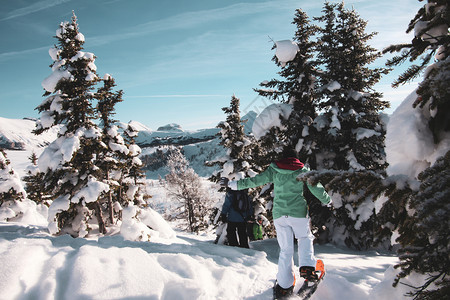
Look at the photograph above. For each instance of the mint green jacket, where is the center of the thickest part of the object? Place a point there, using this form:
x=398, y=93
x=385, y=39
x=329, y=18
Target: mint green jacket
x=288, y=191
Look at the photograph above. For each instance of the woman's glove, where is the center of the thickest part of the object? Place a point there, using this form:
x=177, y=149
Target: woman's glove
x=225, y=182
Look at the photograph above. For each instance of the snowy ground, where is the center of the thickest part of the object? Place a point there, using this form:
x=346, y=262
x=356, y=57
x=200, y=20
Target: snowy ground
x=36, y=265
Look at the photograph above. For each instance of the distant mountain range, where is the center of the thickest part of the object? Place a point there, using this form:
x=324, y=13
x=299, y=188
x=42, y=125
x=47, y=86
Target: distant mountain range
x=16, y=134
x=198, y=145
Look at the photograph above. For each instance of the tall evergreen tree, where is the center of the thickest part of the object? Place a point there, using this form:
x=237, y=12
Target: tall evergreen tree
x=34, y=185
x=71, y=83
x=119, y=159
x=239, y=162
x=296, y=87
x=351, y=129
x=235, y=164
x=112, y=147
x=133, y=176
x=424, y=232
x=71, y=177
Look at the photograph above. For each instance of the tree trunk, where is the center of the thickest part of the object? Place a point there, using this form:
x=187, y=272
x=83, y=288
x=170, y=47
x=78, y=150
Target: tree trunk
x=191, y=216
x=110, y=204
x=101, y=223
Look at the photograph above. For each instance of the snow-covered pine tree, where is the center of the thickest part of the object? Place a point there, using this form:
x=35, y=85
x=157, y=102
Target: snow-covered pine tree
x=120, y=158
x=424, y=232
x=235, y=164
x=429, y=51
x=71, y=177
x=70, y=85
x=351, y=128
x=34, y=185
x=133, y=175
x=238, y=161
x=11, y=190
x=296, y=87
x=130, y=203
x=185, y=186
x=113, y=148
x=425, y=235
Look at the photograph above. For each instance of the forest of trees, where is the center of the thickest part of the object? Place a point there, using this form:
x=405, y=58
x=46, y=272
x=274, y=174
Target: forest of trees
x=332, y=118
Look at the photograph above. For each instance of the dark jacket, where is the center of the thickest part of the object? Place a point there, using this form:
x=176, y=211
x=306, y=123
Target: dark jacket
x=231, y=214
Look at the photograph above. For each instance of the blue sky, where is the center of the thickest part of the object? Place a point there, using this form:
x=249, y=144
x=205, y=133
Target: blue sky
x=176, y=61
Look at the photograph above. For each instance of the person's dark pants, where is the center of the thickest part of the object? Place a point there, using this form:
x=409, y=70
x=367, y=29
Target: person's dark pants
x=241, y=228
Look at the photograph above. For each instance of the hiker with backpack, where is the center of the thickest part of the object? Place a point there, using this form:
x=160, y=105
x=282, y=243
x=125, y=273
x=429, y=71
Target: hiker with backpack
x=236, y=211
x=290, y=214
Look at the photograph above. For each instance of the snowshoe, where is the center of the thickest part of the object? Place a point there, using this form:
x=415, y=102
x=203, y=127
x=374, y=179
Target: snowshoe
x=309, y=273
x=281, y=293
x=312, y=279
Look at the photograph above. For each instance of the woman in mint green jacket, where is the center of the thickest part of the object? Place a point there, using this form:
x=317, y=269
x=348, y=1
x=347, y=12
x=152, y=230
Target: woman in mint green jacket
x=290, y=214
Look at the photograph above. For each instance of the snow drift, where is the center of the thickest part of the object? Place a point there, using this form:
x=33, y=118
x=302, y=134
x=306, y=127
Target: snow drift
x=409, y=142
x=270, y=117
x=36, y=265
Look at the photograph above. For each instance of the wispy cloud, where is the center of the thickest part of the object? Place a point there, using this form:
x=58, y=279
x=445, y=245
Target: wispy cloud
x=192, y=19
x=35, y=7
x=210, y=55
x=14, y=54
x=176, y=96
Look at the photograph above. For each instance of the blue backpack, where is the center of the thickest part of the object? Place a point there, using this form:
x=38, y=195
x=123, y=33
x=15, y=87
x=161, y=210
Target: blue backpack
x=242, y=202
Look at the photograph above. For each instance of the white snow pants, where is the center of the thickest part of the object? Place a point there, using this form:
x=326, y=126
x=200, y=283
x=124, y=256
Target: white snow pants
x=288, y=227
